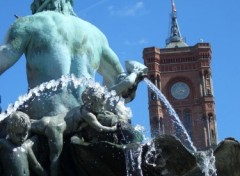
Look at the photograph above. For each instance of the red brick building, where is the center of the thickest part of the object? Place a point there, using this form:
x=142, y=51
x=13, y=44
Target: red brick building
x=183, y=74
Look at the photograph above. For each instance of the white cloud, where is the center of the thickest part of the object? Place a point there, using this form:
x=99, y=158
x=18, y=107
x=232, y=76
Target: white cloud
x=89, y=8
x=142, y=41
x=136, y=9
x=135, y=43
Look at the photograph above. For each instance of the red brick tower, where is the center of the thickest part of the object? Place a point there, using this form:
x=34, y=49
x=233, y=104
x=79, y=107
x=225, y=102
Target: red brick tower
x=183, y=74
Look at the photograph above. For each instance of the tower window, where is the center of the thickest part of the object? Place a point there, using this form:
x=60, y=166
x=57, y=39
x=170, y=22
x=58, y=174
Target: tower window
x=213, y=137
x=209, y=92
x=188, y=121
x=158, y=81
x=152, y=79
x=153, y=96
x=179, y=114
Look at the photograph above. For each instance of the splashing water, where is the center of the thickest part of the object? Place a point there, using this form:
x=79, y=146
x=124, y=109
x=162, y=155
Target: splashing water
x=206, y=162
x=171, y=111
x=133, y=160
x=133, y=156
x=154, y=156
x=54, y=85
x=141, y=129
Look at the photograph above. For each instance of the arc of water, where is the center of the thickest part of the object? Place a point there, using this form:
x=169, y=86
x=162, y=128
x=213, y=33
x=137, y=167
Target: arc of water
x=37, y=91
x=171, y=111
x=54, y=85
x=207, y=159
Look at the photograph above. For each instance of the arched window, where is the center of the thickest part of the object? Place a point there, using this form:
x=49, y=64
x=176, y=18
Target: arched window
x=152, y=79
x=211, y=126
x=158, y=82
x=179, y=113
x=213, y=136
x=178, y=129
x=155, y=126
x=209, y=92
x=153, y=96
x=187, y=119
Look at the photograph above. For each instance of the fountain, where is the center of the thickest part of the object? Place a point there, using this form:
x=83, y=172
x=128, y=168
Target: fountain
x=171, y=111
x=96, y=136
x=209, y=162
x=206, y=160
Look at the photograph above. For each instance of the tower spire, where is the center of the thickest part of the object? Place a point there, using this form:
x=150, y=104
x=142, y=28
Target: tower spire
x=175, y=38
x=173, y=6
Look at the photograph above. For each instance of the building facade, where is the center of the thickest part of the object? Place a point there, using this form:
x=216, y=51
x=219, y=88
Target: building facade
x=183, y=74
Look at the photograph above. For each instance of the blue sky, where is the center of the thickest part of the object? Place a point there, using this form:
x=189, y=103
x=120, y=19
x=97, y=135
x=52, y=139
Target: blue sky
x=131, y=25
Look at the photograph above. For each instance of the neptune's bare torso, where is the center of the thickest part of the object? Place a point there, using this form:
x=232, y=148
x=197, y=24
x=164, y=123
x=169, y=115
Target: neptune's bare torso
x=54, y=45
x=61, y=45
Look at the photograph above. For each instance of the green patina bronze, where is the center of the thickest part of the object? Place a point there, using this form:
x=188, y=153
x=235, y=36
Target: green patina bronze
x=56, y=42
x=77, y=131
x=16, y=151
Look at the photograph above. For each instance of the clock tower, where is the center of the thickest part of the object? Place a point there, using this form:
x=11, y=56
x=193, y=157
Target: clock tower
x=183, y=74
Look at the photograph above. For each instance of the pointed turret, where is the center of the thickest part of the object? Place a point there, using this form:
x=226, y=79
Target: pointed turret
x=175, y=39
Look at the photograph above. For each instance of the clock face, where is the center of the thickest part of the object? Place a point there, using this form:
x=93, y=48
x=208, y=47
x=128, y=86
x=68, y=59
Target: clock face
x=180, y=90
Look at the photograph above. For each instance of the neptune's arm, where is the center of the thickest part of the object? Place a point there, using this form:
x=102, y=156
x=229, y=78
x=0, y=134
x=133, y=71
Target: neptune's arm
x=110, y=66
x=15, y=45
